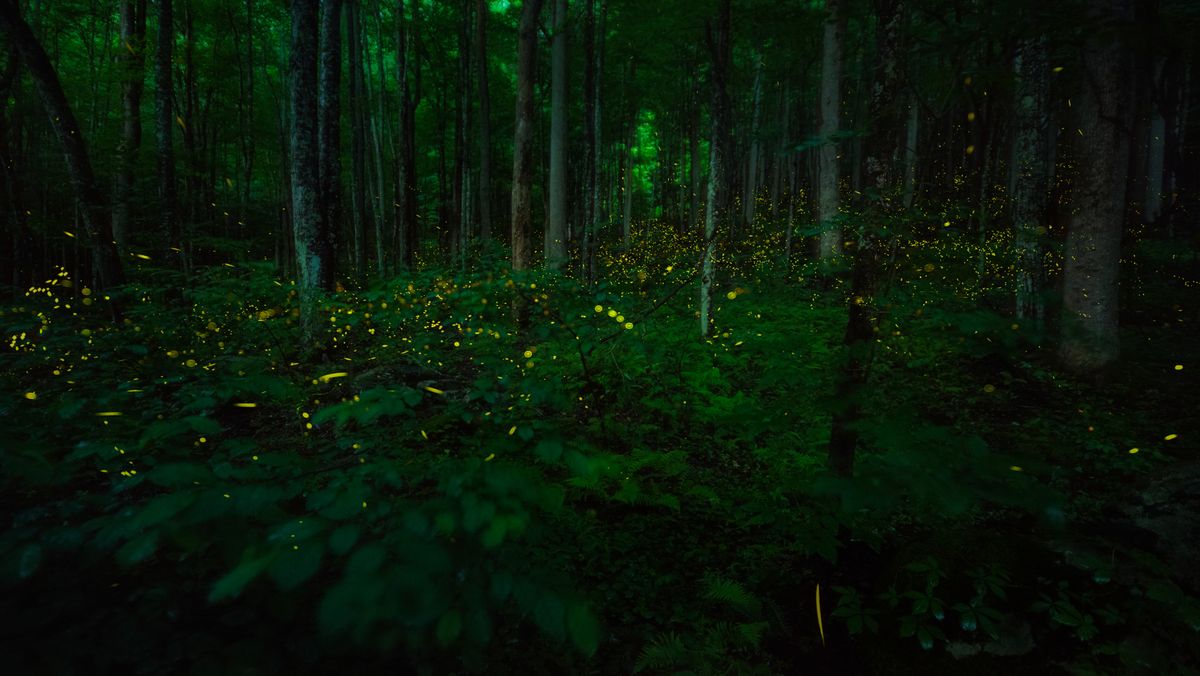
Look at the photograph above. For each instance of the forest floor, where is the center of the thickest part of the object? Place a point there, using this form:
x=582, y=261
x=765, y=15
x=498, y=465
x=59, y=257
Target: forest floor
x=602, y=492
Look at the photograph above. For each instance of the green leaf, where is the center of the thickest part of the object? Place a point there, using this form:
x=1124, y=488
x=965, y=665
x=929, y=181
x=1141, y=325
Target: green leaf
x=548, y=615
x=294, y=567
x=583, y=628
x=342, y=539
x=31, y=558
x=236, y=580
x=449, y=627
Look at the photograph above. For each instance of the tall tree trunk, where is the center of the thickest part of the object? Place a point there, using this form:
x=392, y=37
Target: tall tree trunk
x=132, y=58
x=485, y=121
x=597, y=155
x=523, y=134
x=719, y=44
x=831, y=78
x=587, y=204
x=880, y=145
x=408, y=67
x=750, y=195
x=1090, y=278
x=164, y=122
x=462, y=110
x=310, y=242
x=358, y=144
x=556, y=237
x=1152, y=208
x=1031, y=183
x=911, y=137
x=329, y=124
x=694, y=161
x=65, y=126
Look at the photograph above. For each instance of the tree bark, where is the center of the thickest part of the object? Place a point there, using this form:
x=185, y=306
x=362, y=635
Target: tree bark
x=880, y=146
x=361, y=213
x=131, y=55
x=329, y=124
x=311, y=258
x=164, y=121
x=831, y=78
x=1090, y=279
x=556, y=238
x=750, y=195
x=523, y=134
x=719, y=43
x=1031, y=182
x=485, y=121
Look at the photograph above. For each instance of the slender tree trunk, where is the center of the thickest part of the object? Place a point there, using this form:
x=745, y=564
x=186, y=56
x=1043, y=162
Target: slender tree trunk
x=409, y=74
x=880, y=146
x=831, y=78
x=131, y=55
x=912, y=134
x=598, y=215
x=1152, y=209
x=485, y=121
x=329, y=123
x=694, y=161
x=720, y=47
x=1093, y=255
x=523, y=134
x=164, y=121
x=556, y=238
x=310, y=241
x=358, y=144
x=1031, y=184
x=588, y=169
x=750, y=195
x=65, y=126
x=462, y=113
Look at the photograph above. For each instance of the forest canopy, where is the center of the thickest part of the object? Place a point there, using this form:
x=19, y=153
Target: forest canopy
x=599, y=336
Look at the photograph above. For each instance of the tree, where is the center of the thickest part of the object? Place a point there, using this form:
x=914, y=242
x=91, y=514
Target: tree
x=556, y=238
x=831, y=78
x=329, y=123
x=523, y=134
x=70, y=137
x=408, y=67
x=1090, y=277
x=131, y=55
x=719, y=45
x=312, y=256
x=880, y=144
x=164, y=122
x=359, y=207
x=485, y=121
x=1030, y=149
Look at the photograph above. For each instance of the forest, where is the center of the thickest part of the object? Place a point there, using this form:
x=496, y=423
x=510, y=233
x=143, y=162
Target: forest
x=599, y=337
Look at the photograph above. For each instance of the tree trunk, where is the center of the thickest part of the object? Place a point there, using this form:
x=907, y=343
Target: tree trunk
x=358, y=143
x=719, y=43
x=164, y=121
x=751, y=187
x=1093, y=254
x=1152, y=208
x=831, y=78
x=329, y=123
x=131, y=55
x=310, y=242
x=65, y=126
x=911, y=137
x=556, y=244
x=1031, y=183
x=462, y=113
x=880, y=146
x=523, y=134
x=485, y=121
